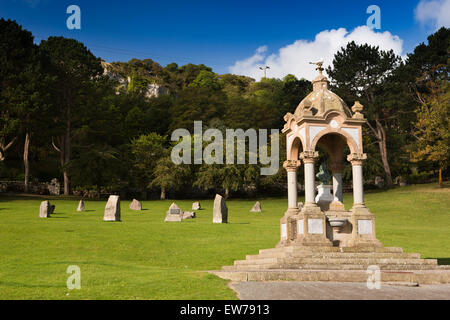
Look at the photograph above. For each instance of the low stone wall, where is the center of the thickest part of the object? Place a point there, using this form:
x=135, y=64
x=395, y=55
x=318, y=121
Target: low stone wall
x=51, y=188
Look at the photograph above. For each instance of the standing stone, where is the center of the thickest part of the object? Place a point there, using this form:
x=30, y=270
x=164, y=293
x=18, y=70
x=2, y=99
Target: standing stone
x=112, y=209
x=256, y=207
x=81, y=206
x=46, y=209
x=174, y=214
x=220, y=213
x=135, y=205
x=196, y=206
x=188, y=215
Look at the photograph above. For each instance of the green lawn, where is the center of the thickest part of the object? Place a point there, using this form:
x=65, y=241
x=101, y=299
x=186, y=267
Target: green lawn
x=144, y=258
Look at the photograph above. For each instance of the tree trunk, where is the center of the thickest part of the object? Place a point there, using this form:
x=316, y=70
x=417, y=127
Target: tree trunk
x=26, y=163
x=383, y=153
x=66, y=157
x=163, y=193
x=440, y=177
x=227, y=193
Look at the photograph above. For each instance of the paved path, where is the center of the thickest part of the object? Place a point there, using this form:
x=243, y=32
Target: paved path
x=293, y=290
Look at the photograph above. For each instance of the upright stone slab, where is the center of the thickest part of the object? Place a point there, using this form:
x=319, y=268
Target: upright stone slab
x=135, y=205
x=112, y=209
x=46, y=209
x=220, y=213
x=196, y=206
x=256, y=207
x=81, y=206
x=174, y=214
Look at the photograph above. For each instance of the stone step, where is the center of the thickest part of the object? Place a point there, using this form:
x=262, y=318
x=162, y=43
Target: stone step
x=289, y=249
x=388, y=276
x=333, y=261
x=320, y=266
x=343, y=255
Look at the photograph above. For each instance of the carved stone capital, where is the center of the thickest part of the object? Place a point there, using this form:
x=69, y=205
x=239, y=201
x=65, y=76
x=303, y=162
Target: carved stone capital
x=309, y=156
x=291, y=165
x=357, y=159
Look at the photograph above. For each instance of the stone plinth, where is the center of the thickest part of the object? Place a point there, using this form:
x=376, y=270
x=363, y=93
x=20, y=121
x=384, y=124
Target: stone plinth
x=256, y=207
x=112, y=209
x=174, y=214
x=196, y=206
x=220, y=213
x=46, y=209
x=81, y=207
x=324, y=196
x=135, y=205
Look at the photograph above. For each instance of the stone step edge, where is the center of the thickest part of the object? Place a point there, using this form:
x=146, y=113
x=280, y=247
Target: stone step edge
x=358, y=261
x=388, y=277
x=333, y=249
x=336, y=267
x=334, y=255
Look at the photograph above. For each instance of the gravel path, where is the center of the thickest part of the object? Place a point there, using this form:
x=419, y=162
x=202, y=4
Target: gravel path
x=292, y=290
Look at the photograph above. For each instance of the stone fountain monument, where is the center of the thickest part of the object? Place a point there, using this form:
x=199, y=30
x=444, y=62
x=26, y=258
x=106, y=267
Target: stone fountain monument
x=322, y=241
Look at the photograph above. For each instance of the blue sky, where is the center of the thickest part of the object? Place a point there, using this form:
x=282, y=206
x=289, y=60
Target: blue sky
x=216, y=33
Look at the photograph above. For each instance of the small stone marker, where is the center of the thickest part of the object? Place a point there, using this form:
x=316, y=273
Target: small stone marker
x=256, y=207
x=188, y=215
x=135, y=205
x=46, y=209
x=196, y=206
x=81, y=206
x=174, y=214
x=112, y=209
x=220, y=213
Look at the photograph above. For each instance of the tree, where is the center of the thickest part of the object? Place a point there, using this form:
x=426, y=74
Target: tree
x=147, y=150
x=23, y=90
x=76, y=69
x=432, y=128
x=168, y=175
x=363, y=72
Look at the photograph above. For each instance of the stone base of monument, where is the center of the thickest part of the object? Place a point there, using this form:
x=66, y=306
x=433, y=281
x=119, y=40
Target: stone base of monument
x=311, y=227
x=333, y=246
x=345, y=264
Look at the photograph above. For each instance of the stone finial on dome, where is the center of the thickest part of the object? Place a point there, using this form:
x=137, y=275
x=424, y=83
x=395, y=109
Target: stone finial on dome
x=320, y=82
x=357, y=108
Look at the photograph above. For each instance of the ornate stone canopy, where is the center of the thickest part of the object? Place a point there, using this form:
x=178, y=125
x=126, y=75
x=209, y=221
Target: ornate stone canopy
x=323, y=119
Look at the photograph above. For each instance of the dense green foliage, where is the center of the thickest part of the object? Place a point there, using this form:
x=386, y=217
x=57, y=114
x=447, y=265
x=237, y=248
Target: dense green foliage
x=94, y=125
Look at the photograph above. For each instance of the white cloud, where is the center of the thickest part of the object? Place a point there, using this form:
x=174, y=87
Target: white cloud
x=294, y=58
x=435, y=13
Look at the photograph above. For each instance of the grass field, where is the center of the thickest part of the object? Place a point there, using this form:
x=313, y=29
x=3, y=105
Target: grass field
x=144, y=258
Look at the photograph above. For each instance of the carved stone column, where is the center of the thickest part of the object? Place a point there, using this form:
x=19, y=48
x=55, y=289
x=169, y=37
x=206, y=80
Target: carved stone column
x=288, y=223
x=310, y=222
x=309, y=158
x=362, y=220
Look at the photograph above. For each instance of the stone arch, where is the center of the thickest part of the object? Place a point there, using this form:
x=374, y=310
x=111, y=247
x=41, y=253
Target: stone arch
x=294, y=149
x=335, y=135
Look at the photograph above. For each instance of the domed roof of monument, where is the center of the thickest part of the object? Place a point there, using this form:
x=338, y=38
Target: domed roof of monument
x=321, y=100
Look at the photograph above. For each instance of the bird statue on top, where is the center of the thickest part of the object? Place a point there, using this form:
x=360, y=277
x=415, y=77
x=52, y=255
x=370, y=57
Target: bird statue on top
x=323, y=175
